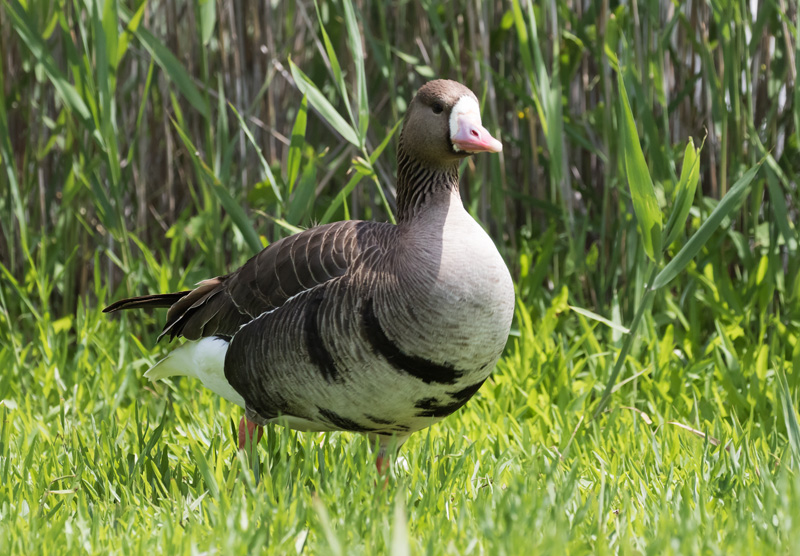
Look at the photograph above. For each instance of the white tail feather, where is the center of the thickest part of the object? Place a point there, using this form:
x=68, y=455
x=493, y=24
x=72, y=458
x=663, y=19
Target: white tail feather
x=203, y=359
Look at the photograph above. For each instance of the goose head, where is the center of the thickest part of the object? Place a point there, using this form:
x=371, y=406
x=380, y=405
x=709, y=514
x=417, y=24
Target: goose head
x=443, y=125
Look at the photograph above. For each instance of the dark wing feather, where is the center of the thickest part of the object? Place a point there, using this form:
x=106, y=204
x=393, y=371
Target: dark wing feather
x=149, y=301
x=220, y=306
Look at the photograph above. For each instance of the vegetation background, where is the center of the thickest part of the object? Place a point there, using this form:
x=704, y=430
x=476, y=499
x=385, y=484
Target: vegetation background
x=145, y=146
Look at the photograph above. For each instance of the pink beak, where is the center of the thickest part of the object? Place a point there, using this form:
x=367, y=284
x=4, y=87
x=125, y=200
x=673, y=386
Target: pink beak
x=472, y=137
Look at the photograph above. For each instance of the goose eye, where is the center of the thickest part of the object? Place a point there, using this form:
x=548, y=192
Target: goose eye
x=437, y=108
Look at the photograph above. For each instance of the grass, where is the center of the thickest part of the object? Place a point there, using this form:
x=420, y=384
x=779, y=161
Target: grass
x=646, y=202
x=94, y=460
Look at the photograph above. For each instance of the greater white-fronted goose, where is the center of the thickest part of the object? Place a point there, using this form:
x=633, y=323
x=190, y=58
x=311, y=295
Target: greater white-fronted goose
x=360, y=326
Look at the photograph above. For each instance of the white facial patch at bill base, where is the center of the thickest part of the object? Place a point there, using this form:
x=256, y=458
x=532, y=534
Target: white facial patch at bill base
x=465, y=105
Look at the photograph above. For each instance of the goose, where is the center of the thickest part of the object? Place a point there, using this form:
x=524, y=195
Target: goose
x=359, y=326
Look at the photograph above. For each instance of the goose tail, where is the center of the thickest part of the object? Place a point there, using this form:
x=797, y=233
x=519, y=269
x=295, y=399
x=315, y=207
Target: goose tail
x=152, y=301
x=203, y=359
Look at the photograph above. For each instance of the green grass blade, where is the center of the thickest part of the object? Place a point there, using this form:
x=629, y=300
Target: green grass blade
x=645, y=203
x=286, y=226
x=354, y=39
x=130, y=30
x=775, y=178
x=264, y=164
x=207, y=11
x=376, y=153
x=336, y=68
x=685, y=192
x=594, y=316
x=789, y=416
x=296, y=143
x=700, y=237
x=373, y=157
x=321, y=104
x=205, y=469
x=111, y=33
x=778, y=203
x=303, y=198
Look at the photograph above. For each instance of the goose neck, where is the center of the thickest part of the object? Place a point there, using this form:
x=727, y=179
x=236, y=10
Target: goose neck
x=419, y=182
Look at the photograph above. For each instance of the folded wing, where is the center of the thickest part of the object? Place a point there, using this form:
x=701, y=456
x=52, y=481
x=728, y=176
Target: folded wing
x=220, y=306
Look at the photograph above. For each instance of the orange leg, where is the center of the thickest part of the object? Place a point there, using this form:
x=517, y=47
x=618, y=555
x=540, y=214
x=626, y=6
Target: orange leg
x=383, y=463
x=247, y=431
